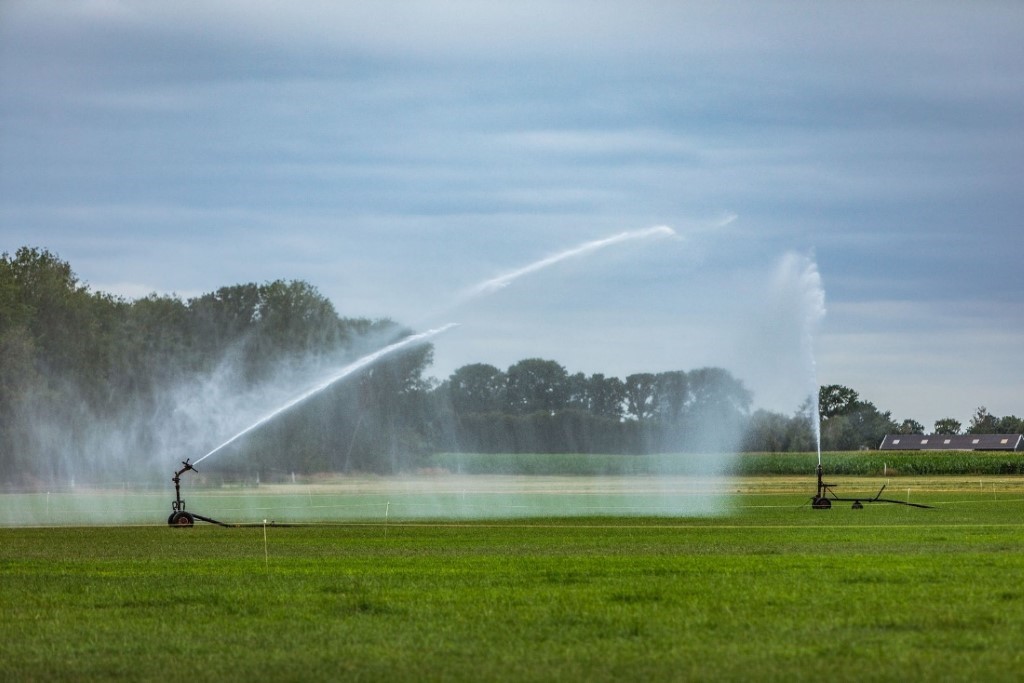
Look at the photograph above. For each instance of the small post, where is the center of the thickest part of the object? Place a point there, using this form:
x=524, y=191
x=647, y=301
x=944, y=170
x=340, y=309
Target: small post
x=266, y=552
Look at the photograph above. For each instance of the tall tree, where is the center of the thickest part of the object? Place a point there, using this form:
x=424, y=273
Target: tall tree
x=477, y=388
x=715, y=390
x=718, y=412
x=536, y=385
x=641, y=395
x=859, y=426
x=1010, y=424
x=673, y=395
x=909, y=426
x=607, y=396
x=983, y=422
x=836, y=399
x=293, y=317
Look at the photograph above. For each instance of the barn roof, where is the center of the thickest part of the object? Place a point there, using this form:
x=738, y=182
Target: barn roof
x=952, y=442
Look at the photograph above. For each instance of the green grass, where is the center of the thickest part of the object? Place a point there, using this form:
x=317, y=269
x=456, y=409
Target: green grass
x=774, y=592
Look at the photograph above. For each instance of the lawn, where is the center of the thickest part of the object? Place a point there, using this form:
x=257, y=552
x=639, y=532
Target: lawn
x=770, y=591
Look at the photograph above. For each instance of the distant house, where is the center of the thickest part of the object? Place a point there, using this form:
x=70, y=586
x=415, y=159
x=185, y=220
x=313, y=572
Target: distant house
x=951, y=442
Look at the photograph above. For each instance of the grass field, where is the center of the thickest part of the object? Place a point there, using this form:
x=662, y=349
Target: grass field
x=771, y=591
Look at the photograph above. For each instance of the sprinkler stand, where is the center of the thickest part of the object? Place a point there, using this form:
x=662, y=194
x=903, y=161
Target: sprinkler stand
x=825, y=496
x=180, y=518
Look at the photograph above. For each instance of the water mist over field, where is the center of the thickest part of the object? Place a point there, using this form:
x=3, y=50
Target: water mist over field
x=332, y=378
x=196, y=411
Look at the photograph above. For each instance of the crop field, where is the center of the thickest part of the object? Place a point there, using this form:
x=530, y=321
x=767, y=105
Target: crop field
x=766, y=589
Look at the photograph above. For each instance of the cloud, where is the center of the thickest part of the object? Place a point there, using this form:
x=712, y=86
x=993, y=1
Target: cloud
x=394, y=153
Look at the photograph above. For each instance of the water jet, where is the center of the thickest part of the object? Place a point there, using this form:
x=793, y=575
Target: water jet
x=334, y=378
x=181, y=518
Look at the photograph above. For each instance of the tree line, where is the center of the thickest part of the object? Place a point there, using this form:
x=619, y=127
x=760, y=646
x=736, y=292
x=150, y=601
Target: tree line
x=92, y=384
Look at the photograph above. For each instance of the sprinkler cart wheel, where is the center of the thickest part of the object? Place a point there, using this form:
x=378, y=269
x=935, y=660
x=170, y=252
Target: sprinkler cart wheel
x=821, y=503
x=182, y=519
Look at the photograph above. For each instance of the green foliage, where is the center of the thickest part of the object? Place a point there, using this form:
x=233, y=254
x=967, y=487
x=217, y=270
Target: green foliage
x=985, y=422
x=855, y=463
x=577, y=464
x=477, y=388
x=536, y=406
x=910, y=427
x=76, y=364
x=772, y=592
x=848, y=423
x=536, y=385
x=881, y=463
x=835, y=399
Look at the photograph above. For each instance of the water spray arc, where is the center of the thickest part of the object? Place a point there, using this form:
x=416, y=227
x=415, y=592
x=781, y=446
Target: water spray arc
x=341, y=374
x=502, y=281
x=180, y=518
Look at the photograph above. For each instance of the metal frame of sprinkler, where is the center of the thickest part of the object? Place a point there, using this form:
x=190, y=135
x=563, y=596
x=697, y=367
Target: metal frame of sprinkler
x=825, y=496
x=179, y=518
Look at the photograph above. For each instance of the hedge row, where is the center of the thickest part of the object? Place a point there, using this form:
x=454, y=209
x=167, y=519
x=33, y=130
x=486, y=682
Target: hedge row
x=859, y=463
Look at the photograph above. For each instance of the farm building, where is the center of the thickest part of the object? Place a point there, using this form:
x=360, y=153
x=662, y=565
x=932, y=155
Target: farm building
x=952, y=442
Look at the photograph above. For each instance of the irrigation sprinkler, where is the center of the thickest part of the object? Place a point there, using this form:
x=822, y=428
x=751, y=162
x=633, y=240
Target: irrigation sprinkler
x=825, y=496
x=179, y=517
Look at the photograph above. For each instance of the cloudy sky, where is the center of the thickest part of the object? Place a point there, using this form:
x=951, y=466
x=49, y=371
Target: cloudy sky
x=397, y=154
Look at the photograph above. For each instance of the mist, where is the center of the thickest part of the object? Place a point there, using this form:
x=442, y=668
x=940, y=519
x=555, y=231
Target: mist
x=251, y=419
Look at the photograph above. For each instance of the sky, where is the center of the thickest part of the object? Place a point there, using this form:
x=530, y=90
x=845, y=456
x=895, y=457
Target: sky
x=396, y=155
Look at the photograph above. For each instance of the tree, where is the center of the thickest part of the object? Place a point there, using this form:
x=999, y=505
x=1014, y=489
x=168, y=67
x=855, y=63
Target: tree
x=673, y=397
x=1010, y=424
x=715, y=415
x=293, y=317
x=607, y=396
x=57, y=339
x=948, y=425
x=536, y=385
x=577, y=393
x=641, y=395
x=983, y=422
x=862, y=426
x=835, y=399
x=848, y=423
x=768, y=432
x=477, y=388
x=910, y=427
x=715, y=390
x=154, y=346
x=224, y=317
